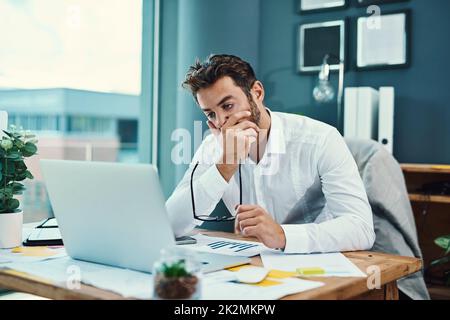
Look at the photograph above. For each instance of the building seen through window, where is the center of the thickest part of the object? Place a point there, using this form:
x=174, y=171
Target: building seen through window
x=70, y=71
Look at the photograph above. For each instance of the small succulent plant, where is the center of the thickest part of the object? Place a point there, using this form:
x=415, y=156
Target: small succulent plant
x=176, y=269
x=174, y=282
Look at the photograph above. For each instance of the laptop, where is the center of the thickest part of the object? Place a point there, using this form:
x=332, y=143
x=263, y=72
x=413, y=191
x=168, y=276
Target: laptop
x=115, y=214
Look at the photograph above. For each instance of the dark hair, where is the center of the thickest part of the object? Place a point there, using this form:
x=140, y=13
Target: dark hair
x=204, y=74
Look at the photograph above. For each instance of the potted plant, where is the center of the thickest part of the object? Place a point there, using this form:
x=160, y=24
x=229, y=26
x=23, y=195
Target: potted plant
x=177, y=275
x=15, y=146
x=441, y=264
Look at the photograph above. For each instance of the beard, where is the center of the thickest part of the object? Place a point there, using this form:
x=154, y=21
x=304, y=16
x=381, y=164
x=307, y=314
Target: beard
x=256, y=114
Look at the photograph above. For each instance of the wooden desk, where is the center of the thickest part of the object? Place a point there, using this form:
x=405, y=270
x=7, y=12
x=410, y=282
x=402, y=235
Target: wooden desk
x=392, y=268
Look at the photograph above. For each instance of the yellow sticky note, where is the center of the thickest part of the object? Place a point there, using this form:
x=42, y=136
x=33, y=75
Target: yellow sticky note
x=266, y=283
x=278, y=274
x=238, y=267
x=281, y=274
x=34, y=251
x=310, y=271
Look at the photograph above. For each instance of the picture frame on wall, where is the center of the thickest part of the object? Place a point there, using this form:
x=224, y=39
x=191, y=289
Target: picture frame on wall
x=308, y=6
x=365, y=3
x=315, y=40
x=383, y=42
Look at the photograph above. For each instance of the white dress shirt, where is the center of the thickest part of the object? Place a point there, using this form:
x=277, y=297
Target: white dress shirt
x=307, y=180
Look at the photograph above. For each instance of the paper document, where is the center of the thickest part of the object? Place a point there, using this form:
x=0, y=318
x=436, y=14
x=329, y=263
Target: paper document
x=67, y=272
x=226, y=246
x=332, y=264
x=30, y=254
x=4, y=260
x=224, y=285
x=219, y=286
x=215, y=286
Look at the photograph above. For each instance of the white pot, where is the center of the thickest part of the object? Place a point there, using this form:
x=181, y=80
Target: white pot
x=11, y=229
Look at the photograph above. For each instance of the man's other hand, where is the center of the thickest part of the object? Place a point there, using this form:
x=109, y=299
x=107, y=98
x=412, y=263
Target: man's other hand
x=254, y=221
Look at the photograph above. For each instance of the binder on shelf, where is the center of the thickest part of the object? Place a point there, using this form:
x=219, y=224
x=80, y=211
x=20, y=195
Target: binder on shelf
x=361, y=113
x=386, y=118
x=367, y=126
x=350, y=112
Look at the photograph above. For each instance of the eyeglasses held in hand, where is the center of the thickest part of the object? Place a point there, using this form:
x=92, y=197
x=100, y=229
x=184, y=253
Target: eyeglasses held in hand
x=206, y=217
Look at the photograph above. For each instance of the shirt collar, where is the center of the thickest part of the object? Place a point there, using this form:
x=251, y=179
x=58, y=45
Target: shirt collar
x=276, y=142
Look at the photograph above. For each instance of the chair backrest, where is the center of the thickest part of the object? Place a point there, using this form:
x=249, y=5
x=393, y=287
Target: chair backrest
x=393, y=217
x=386, y=189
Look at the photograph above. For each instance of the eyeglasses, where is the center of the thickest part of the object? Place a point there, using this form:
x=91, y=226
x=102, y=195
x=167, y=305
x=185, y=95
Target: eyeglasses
x=209, y=218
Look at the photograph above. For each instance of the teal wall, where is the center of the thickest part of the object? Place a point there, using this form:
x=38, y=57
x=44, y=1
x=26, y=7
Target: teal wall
x=422, y=119
x=191, y=29
x=265, y=33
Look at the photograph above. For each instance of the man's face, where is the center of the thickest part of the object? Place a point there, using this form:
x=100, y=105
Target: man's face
x=224, y=98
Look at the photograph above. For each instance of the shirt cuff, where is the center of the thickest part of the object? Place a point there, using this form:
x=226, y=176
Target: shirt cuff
x=213, y=183
x=297, y=240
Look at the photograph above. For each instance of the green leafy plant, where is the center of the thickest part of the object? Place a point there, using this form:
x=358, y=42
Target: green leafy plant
x=15, y=146
x=175, y=282
x=444, y=243
x=176, y=269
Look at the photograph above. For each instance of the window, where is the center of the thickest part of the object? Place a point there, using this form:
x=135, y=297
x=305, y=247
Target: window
x=70, y=70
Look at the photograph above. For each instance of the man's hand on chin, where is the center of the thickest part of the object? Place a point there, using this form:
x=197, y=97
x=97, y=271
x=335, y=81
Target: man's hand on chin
x=254, y=221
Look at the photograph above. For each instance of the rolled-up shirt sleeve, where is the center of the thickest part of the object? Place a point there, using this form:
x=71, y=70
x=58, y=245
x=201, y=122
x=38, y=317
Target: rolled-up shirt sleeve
x=209, y=187
x=351, y=227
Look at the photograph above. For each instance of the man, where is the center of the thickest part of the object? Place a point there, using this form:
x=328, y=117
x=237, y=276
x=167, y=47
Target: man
x=299, y=185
